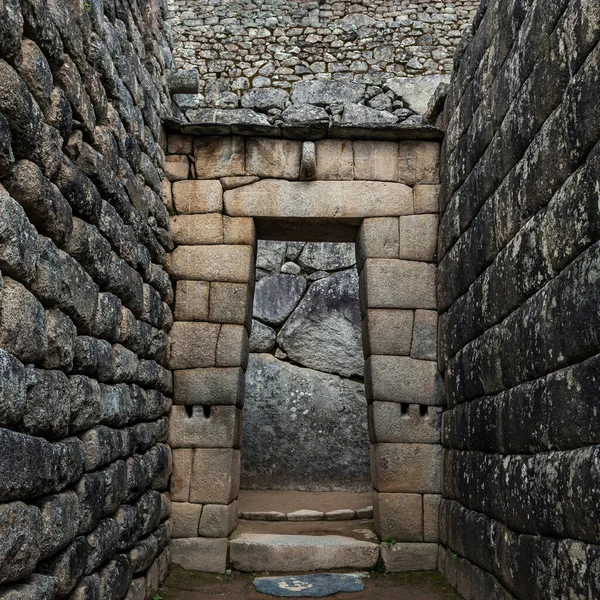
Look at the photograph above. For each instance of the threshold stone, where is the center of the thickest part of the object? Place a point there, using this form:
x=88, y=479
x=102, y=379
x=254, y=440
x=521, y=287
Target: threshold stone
x=317, y=585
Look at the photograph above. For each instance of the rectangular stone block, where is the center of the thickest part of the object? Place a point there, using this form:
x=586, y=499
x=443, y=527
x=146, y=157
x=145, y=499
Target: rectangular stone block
x=239, y=230
x=335, y=160
x=219, y=156
x=229, y=302
x=205, y=427
x=398, y=517
x=388, y=283
x=409, y=468
x=193, y=344
x=418, y=162
x=431, y=517
x=210, y=387
x=166, y=194
x=319, y=199
x=215, y=476
x=233, y=347
x=424, y=343
x=377, y=238
x=213, y=263
x=376, y=161
x=218, y=520
x=180, y=144
x=196, y=197
x=418, y=237
x=388, y=332
x=268, y=157
x=185, y=517
x=192, y=301
x=177, y=167
x=403, y=379
x=181, y=475
x=208, y=555
x=197, y=229
x=426, y=198
x=409, y=557
x=404, y=423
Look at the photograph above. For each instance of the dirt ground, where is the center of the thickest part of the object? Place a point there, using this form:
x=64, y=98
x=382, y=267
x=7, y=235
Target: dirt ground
x=188, y=585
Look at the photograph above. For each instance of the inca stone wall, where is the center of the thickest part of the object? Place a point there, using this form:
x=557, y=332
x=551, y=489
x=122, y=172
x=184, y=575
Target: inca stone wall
x=305, y=411
x=518, y=291
x=250, y=54
x=83, y=300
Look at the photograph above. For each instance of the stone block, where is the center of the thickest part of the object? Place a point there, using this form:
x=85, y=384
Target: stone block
x=404, y=423
x=424, y=343
x=408, y=468
x=268, y=157
x=377, y=238
x=209, y=387
x=398, y=516
x=233, y=347
x=418, y=237
x=230, y=183
x=200, y=427
x=208, y=555
x=213, y=263
x=177, y=167
x=388, y=283
x=218, y=520
x=193, y=344
x=191, y=301
x=181, y=474
x=61, y=333
x=387, y=332
x=180, y=144
x=334, y=160
x=219, y=156
x=185, y=517
x=166, y=194
x=409, y=557
x=196, y=197
x=418, y=162
x=13, y=389
x=229, y=302
x=375, y=161
x=403, y=379
x=426, y=198
x=278, y=198
x=239, y=231
x=431, y=517
x=215, y=476
x=197, y=229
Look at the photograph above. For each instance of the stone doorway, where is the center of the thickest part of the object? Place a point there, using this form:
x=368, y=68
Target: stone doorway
x=226, y=193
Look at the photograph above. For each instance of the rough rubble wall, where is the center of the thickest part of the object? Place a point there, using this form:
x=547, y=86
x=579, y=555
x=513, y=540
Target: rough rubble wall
x=249, y=54
x=83, y=300
x=518, y=295
x=305, y=412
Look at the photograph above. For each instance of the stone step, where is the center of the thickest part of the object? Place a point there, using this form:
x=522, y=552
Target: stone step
x=284, y=553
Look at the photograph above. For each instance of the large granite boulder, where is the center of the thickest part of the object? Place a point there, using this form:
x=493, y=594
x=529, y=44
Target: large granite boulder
x=325, y=256
x=303, y=430
x=324, y=332
x=262, y=337
x=270, y=255
x=276, y=296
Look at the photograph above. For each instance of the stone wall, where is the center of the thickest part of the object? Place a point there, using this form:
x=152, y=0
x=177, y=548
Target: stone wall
x=518, y=292
x=305, y=412
x=83, y=300
x=225, y=192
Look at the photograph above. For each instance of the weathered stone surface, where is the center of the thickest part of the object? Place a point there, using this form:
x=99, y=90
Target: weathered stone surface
x=418, y=237
x=424, y=344
x=229, y=302
x=391, y=422
x=319, y=199
x=264, y=99
x=177, y=167
x=262, y=337
x=219, y=157
x=359, y=114
x=323, y=332
x=330, y=408
x=191, y=301
x=185, y=517
x=194, y=428
x=377, y=238
x=398, y=516
x=270, y=255
x=426, y=198
x=334, y=160
x=232, y=347
x=212, y=263
x=324, y=256
x=13, y=389
x=218, y=520
x=276, y=296
x=317, y=585
x=377, y=161
x=418, y=162
x=264, y=552
x=194, y=196
x=47, y=411
x=403, y=379
x=306, y=115
x=215, y=476
x=200, y=554
x=323, y=93
x=197, y=229
x=35, y=587
x=387, y=332
x=431, y=514
x=238, y=231
x=341, y=514
x=416, y=91
x=181, y=475
x=266, y=157
x=305, y=515
x=212, y=386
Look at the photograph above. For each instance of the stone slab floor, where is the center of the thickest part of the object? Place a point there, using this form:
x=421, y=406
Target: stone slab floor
x=188, y=585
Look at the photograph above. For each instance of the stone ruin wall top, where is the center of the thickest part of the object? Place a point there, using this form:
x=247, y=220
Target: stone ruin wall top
x=239, y=46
